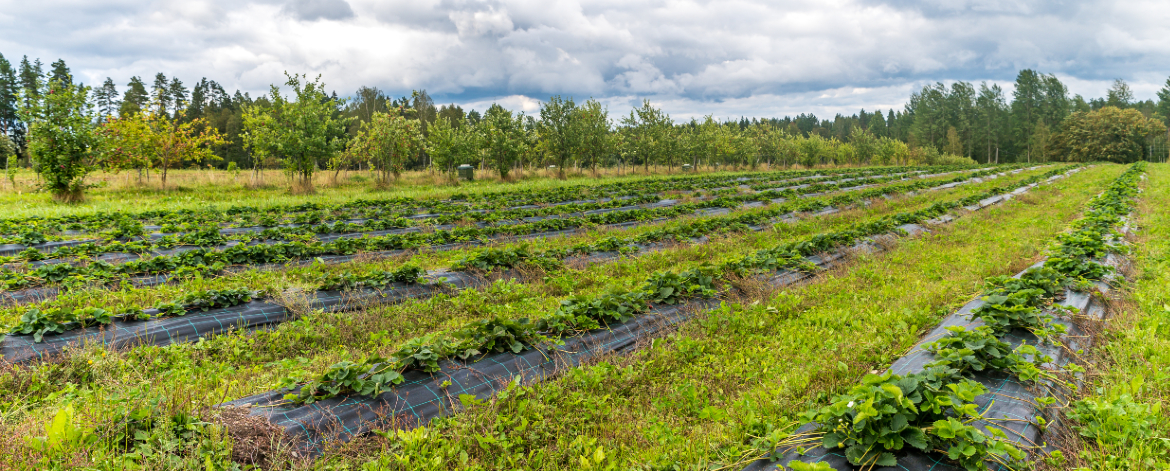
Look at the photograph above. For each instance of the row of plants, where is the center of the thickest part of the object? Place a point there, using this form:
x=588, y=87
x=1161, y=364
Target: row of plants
x=490, y=259
x=406, y=206
x=39, y=322
x=208, y=261
x=373, y=375
x=934, y=411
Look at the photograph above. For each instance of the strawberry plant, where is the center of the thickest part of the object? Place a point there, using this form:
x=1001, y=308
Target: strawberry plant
x=671, y=288
x=58, y=320
x=887, y=413
x=368, y=377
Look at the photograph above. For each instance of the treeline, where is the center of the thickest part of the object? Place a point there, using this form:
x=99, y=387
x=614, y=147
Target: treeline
x=162, y=124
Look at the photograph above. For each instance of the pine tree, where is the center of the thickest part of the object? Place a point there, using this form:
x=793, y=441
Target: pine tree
x=135, y=98
x=31, y=77
x=106, y=97
x=60, y=72
x=160, y=93
x=178, y=94
x=8, y=92
x=1163, y=106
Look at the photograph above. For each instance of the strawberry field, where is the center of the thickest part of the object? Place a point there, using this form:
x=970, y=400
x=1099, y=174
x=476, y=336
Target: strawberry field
x=925, y=317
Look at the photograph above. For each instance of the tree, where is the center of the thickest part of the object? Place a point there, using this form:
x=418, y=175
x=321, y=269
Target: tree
x=992, y=111
x=452, y=113
x=160, y=94
x=424, y=108
x=135, y=98
x=178, y=95
x=1027, y=100
x=1041, y=142
x=450, y=145
x=1163, y=106
x=557, y=127
x=650, y=136
x=929, y=110
x=300, y=133
x=593, y=128
x=877, y=125
x=865, y=144
x=153, y=139
x=1119, y=94
x=60, y=72
x=106, y=99
x=1109, y=133
x=7, y=150
x=954, y=144
x=386, y=142
x=177, y=143
x=31, y=81
x=61, y=137
x=126, y=144
x=9, y=89
x=504, y=138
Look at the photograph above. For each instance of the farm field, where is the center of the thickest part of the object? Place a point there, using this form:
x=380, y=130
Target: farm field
x=663, y=322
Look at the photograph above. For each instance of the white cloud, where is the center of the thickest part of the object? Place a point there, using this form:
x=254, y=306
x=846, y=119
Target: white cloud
x=729, y=58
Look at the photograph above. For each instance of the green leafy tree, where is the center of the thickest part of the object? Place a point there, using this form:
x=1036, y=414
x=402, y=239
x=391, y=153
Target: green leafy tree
x=865, y=145
x=153, y=139
x=126, y=144
x=300, y=132
x=61, y=137
x=768, y=142
x=593, y=129
x=387, y=141
x=451, y=145
x=559, y=133
x=1109, y=133
x=504, y=138
x=651, y=137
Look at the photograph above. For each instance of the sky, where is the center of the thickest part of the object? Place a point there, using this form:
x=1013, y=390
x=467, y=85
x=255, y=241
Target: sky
x=728, y=58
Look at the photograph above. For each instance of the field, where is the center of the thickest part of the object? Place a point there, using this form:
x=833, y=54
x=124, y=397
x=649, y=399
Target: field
x=769, y=319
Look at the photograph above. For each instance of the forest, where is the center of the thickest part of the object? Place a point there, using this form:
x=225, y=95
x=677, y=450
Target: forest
x=157, y=125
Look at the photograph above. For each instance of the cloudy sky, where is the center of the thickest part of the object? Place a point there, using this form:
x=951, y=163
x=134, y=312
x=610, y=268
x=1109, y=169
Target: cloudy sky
x=729, y=58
